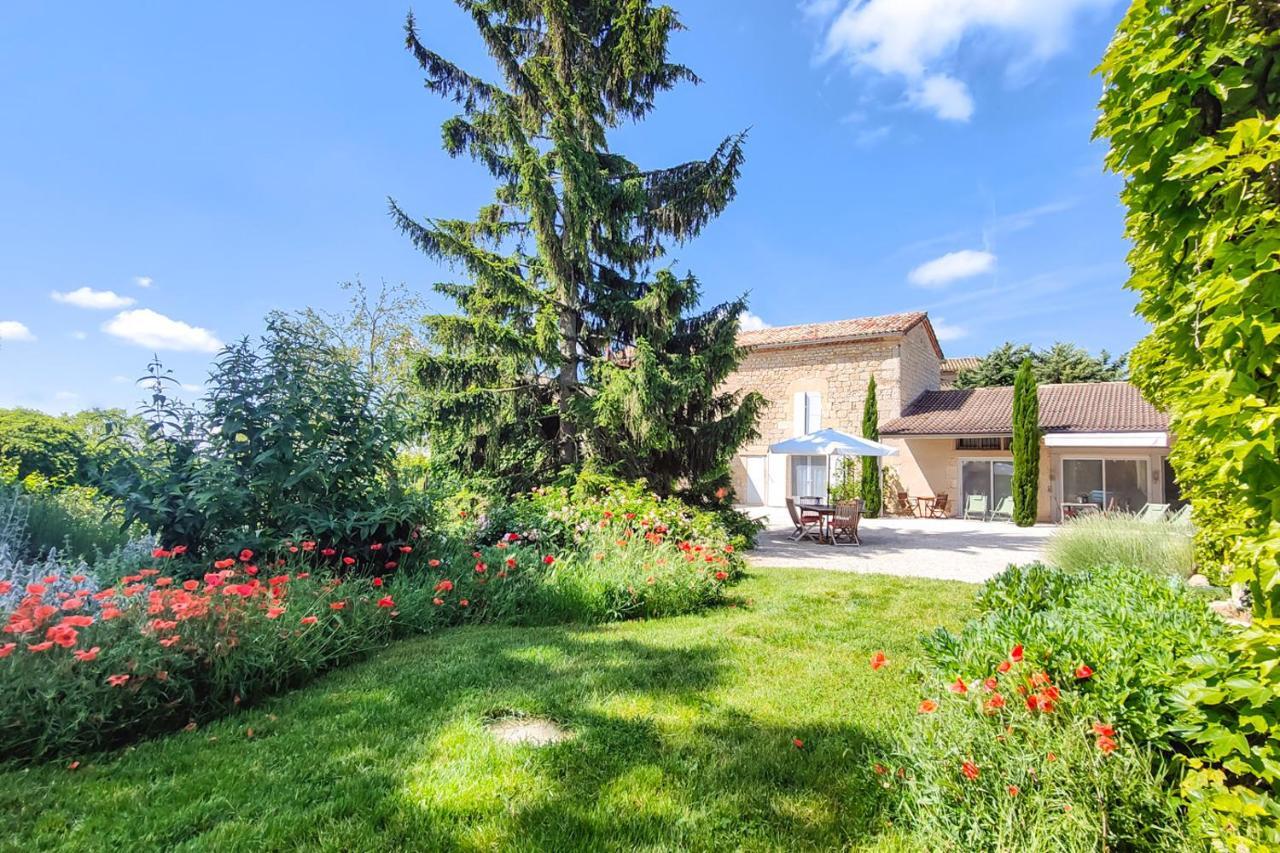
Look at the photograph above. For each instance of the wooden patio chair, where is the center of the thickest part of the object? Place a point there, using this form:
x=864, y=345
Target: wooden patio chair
x=905, y=506
x=940, y=505
x=976, y=505
x=844, y=523
x=1004, y=509
x=807, y=524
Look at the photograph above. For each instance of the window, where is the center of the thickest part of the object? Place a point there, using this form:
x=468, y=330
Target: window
x=984, y=443
x=1111, y=484
x=808, y=412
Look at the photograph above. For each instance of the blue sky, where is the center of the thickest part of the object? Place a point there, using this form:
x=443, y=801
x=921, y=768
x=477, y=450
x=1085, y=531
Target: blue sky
x=173, y=171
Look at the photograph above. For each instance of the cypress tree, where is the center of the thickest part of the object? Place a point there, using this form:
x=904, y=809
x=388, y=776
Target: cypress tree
x=872, y=496
x=1026, y=446
x=566, y=341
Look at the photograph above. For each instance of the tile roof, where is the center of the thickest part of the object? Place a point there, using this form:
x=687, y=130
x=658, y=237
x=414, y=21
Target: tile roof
x=964, y=362
x=840, y=330
x=1076, y=407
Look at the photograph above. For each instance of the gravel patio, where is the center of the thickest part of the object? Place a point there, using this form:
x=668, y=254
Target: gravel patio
x=945, y=549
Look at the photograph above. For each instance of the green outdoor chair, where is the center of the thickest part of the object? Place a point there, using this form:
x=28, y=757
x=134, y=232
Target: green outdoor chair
x=976, y=505
x=1003, y=510
x=1153, y=512
x=1181, y=518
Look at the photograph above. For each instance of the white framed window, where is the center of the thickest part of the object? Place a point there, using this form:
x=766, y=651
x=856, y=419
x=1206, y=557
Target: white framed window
x=809, y=477
x=1111, y=483
x=808, y=412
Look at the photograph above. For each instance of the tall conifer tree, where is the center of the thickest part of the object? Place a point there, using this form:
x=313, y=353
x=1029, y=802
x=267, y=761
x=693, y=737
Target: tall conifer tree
x=872, y=494
x=1026, y=446
x=566, y=340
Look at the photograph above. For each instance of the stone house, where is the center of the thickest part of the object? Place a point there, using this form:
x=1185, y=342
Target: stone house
x=1103, y=443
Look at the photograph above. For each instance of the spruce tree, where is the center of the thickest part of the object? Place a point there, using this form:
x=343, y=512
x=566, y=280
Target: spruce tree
x=1026, y=446
x=566, y=340
x=872, y=496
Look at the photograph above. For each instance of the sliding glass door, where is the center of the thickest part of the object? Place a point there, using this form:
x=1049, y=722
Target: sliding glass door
x=991, y=478
x=1110, y=484
x=809, y=477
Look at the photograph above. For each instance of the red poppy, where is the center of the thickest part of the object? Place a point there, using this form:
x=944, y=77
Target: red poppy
x=1013, y=790
x=170, y=641
x=78, y=578
x=246, y=555
x=445, y=585
x=481, y=568
x=994, y=703
x=548, y=559
x=464, y=603
x=337, y=605
x=1053, y=756
x=1104, y=730
x=386, y=601
x=797, y=743
x=77, y=621
x=1084, y=671
x=117, y=680
x=722, y=576
x=5, y=586
x=958, y=687
x=511, y=562
x=878, y=660
x=309, y=620
x=250, y=570
x=376, y=546
x=224, y=564
x=327, y=552
x=1106, y=744
x=1015, y=654
x=161, y=554
x=308, y=546
x=970, y=770
x=989, y=684
x=7, y=649
x=179, y=550
x=377, y=581
x=1004, y=667
x=406, y=549
x=437, y=601
x=1033, y=702
x=35, y=589
x=40, y=647
x=303, y=575
x=274, y=612
x=880, y=769
x=390, y=565
x=433, y=563
x=928, y=706
x=348, y=561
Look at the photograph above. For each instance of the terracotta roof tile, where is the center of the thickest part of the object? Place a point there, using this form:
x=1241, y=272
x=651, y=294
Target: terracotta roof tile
x=818, y=333
x=1077, y=407
x=964, y=362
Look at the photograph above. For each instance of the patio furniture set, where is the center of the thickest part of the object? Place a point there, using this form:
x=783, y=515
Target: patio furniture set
x=832, y=524
x=975, y=506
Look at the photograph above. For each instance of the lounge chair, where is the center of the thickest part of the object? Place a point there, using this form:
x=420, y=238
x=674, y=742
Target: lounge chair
x=844, y=523
x=976, y=505
x=940, y=506
x=1004, y=509
x=1181, y=518
x=808, y=524
x=1153, y=512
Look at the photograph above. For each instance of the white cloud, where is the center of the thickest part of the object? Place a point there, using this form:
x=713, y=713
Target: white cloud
x=79, y=336
x=918, y=39
x=142, y=280
x=952, y=266
x=156, y=331
x=87, y=297
x=946, y=96
x=945, y=331
x=12, y=330
x=749, y=322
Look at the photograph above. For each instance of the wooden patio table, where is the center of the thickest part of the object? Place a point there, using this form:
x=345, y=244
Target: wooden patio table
x=824, y=513
x=924, y=506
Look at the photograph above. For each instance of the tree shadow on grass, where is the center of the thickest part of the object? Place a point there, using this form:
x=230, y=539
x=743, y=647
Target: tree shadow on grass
x=393, y=754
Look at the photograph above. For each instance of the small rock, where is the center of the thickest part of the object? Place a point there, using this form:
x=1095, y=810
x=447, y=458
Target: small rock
x=1198, y=580
x=1230, y=613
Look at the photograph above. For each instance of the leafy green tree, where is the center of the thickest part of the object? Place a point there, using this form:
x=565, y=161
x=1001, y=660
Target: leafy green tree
x=1062, y=362
x=561, y=312
x=1191, y=106
x=872, y=494
x=1026, y=446
x=32, y=442
x=997, y=368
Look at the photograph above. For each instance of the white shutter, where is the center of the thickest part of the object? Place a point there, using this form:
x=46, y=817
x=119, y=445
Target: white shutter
x=814, y=401
x=797, y=413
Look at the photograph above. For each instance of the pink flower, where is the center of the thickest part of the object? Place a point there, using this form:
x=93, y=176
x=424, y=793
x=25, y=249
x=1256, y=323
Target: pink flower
x=117, y=680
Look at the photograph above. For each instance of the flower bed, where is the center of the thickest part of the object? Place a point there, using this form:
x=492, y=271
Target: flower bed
x=83, y=667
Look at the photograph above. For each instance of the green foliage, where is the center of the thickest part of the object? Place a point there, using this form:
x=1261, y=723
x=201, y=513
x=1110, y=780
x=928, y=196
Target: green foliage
x=872, y=495
x=32, y=442
x=1096, y=541
x=1228, y=712
x=568, y=343
x=1060, y=363
x=848, y=484
x=1191, y=107
x=292, y=439
x=77, y=521
x=1025, y=446
x=1130, y=626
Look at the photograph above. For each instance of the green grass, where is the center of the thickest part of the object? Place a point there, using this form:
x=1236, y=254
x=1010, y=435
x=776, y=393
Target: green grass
x=682, y=727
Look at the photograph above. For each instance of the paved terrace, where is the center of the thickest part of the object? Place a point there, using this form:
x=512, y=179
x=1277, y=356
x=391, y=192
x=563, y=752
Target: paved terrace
x=946, y=549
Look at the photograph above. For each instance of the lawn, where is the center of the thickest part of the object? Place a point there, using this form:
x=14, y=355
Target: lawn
x=682, y=729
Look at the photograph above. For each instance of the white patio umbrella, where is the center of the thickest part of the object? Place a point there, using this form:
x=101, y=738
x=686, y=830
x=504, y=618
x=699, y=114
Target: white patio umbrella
x=832, y=442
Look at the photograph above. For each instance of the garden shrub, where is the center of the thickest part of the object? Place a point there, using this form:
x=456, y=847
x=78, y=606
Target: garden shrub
x=1227, y=713
x=77, y=521
x=1129, y=626
x=1098, y=540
